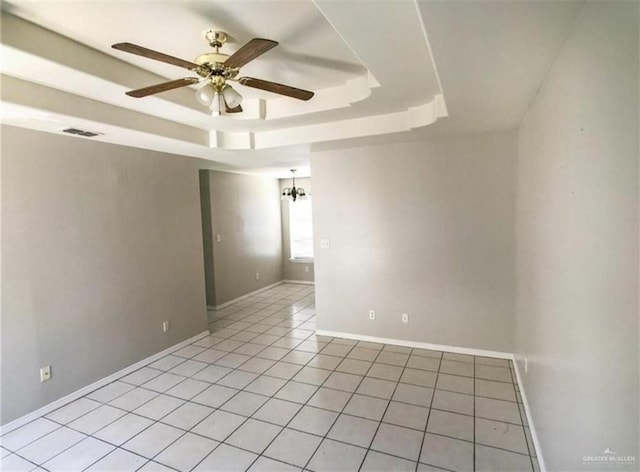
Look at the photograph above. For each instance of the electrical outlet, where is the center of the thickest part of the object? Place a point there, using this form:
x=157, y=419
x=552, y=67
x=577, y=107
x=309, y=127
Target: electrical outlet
x=45, y=373
x=372, y=314
x=218, y=238
x=165, y=326
x=526, y=364
x=405, y=317
x=306, y=268
x=257, y=275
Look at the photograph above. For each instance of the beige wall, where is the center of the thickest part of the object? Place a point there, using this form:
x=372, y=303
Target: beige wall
x=245, y=212
x=100, y=245
x=422, y=228
x=208, y=238
x=300, y=271
x=577, y=244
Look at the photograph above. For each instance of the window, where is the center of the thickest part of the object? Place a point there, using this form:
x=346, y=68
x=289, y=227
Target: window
x=301, y=229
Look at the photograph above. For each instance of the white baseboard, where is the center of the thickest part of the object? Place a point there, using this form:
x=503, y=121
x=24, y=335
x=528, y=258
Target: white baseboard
x=534, y=434
x=302, y=282
x=418, y=345
x=247, y=295
x=95, y=385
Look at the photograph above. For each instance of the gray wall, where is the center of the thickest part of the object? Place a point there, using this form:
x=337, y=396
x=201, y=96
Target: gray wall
x=301, y=271
x=100, y=244
x=245, y=212
x=422, y=228
x=577, y=243
x=208, y=238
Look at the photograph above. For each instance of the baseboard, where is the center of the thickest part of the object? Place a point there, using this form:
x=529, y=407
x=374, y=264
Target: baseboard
x=247, y=295
x=418, y=345
x=532, y=429
x=301, y=282
x=95, y=385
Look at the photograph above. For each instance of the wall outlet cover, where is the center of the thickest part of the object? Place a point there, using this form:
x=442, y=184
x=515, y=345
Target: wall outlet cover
x=45, y=373
x=405, y=318
x=372, y=314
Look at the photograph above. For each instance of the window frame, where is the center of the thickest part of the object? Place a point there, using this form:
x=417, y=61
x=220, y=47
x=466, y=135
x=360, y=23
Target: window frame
x=291, y=209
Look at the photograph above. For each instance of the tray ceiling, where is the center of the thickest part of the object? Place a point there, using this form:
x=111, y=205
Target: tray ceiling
x=370, y=64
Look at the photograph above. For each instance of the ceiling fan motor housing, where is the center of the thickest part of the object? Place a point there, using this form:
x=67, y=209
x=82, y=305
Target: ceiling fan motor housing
x=211, y=58
x=215, y=38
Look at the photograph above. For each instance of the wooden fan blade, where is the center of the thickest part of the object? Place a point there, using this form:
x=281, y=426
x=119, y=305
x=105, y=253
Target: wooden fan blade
x=237, y=109
x=254, y=48
x=163, y=87
x=276, y=88
x=151, y=54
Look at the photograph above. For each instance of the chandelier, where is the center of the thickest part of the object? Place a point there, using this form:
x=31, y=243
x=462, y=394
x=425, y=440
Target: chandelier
x=293, y=193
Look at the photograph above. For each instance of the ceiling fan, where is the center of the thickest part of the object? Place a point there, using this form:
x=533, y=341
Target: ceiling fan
x=215, y=69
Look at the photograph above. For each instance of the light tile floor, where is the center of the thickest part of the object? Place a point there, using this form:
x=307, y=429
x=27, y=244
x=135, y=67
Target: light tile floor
x=264, y=393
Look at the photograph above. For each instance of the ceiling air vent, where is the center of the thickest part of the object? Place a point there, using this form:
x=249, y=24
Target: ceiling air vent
x=79, y=132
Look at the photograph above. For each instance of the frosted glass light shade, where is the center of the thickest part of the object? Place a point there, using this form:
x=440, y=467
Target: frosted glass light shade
x=205, y=94
x=231, y=97
x=216, y=105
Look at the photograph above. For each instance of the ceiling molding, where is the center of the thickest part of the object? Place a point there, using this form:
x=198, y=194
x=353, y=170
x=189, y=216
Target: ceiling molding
x=46, y=71
x=373, y=67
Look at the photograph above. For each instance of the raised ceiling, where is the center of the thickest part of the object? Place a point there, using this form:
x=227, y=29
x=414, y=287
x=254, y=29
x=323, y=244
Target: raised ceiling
x=370, y=64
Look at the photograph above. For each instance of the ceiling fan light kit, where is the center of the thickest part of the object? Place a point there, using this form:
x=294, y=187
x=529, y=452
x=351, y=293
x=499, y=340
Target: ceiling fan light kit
x=215, y=70
x=231, y=97
x=205, y=94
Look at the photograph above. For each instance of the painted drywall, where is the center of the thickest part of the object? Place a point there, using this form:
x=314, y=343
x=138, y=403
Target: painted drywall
x=423, y=228
x=207, y=237
x=100, y=244
x=577, y=244
x=245, y=213
x=293, y=270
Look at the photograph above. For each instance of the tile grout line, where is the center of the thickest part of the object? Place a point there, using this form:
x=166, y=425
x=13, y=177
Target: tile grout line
x=246, y=418
x=474, y=414
x=250, y=417
x=373, y=438
x=273, y=396
x=521, y=418
x=140, y=432
x=424, y=435
x=353, y=346
x=287, y=324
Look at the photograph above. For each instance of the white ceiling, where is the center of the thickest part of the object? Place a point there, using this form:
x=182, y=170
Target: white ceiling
x=380, y=70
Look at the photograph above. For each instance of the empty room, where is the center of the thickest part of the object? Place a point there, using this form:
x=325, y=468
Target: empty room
x=319, y=235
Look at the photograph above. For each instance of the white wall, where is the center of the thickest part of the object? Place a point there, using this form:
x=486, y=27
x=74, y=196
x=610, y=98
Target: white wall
x=100, y=245
x=577, y=244
x=424, y=228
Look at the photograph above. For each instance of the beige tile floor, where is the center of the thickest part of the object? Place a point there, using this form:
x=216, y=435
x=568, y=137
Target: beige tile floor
x=264, y=393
